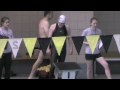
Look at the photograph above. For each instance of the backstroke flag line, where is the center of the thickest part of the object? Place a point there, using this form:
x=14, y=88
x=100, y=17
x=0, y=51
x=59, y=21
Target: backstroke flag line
x=93, y=41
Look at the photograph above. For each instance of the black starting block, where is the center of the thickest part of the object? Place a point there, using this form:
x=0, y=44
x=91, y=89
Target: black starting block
x=66, y=70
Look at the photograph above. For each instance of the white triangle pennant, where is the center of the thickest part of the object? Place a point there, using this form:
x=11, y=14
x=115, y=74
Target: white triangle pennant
x=15, y=44
x=117, y=40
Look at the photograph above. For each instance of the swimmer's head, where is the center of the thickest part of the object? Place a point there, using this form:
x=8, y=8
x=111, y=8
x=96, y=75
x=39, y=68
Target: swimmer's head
x=48, y=14
x=61, y=20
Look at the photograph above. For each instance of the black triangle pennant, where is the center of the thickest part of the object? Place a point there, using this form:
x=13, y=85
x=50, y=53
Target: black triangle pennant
x=78, y=42
x=44, y=42
x=106, y=39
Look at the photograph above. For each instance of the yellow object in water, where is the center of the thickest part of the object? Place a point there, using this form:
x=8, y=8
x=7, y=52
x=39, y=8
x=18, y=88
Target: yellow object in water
x=46, y=68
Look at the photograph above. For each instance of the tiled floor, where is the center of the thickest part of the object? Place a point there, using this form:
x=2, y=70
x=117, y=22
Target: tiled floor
x=115, y=76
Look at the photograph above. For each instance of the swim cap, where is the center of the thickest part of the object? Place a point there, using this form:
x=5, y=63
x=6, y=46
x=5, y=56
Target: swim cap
x=62, y=19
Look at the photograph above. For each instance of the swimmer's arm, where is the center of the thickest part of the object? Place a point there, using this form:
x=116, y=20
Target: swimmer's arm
x=85, y=34
x=69, y=39
x=51, y=31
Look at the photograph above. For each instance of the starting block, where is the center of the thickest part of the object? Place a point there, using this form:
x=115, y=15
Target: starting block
x=66, y=70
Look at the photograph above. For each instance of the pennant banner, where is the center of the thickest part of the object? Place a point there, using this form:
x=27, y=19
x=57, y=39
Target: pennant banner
x=15, y=45
x=3, y=43
x=59, y=42
x=92, y=40
x=78, y=42
x=44, y=42
x=117, y=40
x=106, y=39
x=30, y=44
